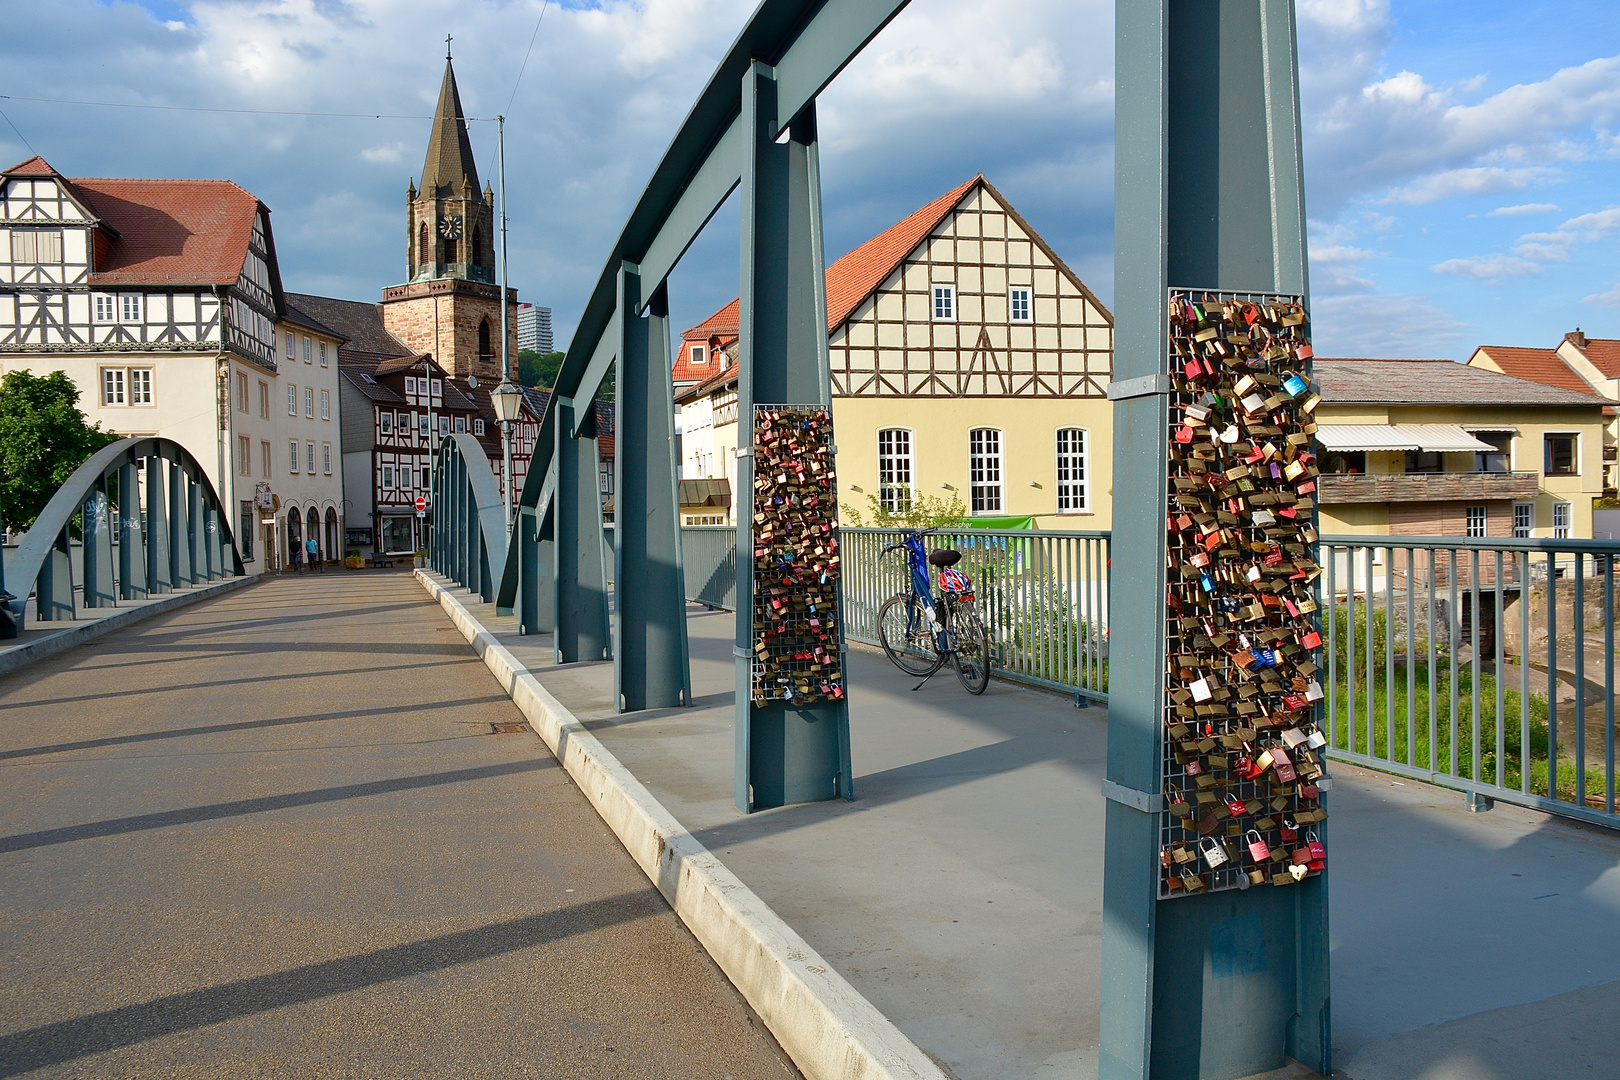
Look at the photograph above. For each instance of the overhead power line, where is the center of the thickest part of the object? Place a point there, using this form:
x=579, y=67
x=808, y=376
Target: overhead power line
x=239, y=112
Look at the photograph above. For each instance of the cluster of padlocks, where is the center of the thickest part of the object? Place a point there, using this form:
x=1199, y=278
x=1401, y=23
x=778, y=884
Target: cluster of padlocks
x=1241, y=750
x=796, y=639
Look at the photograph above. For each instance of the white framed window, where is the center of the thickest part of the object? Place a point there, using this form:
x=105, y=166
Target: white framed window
x=326, y=404
x=36, y=245
x=1476, y=522
x=1560, y=521
x=703, y=519
x=444, y=425
x=264, y=458
x=1560, y=455
x=1524, y=519
x=461, y=425
x=112, y=386
x=895, y=482
x=264, y=400
x=290, y=346
x=386, y=422
x=140, y=386
x=478, y=426
x=292, y=455
x=309, y=402
x=306, y=350
x=1019, y=305
x=292, y=400
x=944, y=303
x=984, y=471
x=699, y=354
x=244, y=455
x=388, y=478
x=129, y=307
x=106, y=307
x=424, y=425
x=326, y=458
x=323, y=354
x=410, y=384
x=438, y=387
x=1072, y=493
x=311, y=459
x=604, y=477
x=241, y=392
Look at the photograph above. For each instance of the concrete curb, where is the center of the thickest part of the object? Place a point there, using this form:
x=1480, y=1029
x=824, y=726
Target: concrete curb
x=51, y=644
x=829, y=1030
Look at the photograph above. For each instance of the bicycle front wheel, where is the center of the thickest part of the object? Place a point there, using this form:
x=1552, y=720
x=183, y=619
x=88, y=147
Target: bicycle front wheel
x=906, y=637
x=972, y=649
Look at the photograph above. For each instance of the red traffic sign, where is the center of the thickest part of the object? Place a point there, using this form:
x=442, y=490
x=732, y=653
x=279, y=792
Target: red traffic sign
x=421, y=502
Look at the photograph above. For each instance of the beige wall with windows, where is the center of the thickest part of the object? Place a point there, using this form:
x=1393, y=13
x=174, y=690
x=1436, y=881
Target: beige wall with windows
x=304, y=403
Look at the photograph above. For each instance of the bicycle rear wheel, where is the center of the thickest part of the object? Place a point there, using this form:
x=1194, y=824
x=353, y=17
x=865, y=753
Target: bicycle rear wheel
x=906, y=637
x=972, y=649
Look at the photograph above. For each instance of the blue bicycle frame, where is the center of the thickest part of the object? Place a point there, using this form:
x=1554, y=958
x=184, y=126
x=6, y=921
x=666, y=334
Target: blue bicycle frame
x=923, y=589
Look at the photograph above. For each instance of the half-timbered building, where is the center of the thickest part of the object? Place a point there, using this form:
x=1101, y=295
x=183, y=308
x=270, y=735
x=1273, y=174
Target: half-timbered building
x=160, y=299
x=968, y=363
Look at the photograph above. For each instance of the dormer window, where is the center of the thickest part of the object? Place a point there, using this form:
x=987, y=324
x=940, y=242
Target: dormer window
x=699, y=354
x=36, y=245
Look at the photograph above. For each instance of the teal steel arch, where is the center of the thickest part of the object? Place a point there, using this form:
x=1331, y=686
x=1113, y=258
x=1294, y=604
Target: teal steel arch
x=171, y=529
x=467, y=541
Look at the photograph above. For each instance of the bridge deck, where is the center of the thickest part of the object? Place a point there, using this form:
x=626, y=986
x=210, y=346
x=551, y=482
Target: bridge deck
x=274, y=835
x=961, y=892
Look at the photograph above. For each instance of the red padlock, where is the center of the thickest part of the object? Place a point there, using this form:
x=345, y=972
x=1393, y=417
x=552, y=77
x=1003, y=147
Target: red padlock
x=1317, y=849
x=1301, y=855
x=1289, y=831
x=1258, y=851
x=1311, y=640
x=1235, y=805
x=1280, y=762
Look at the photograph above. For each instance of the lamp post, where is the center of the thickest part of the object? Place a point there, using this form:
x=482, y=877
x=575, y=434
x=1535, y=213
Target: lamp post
x=508, y=399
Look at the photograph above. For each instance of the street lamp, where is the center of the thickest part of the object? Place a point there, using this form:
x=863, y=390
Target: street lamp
x=508, y=399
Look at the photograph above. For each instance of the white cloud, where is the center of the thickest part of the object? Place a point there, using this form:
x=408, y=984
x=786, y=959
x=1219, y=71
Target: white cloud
x=380, y=155
x=1335, y=269
x=1383, y=325
x=1480, y=180
x=1597, y=225
x=1491, y=268
x=1523, y=210
x=1610, y=299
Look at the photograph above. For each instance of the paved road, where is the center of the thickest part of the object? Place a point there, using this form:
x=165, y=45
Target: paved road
x=274, y=835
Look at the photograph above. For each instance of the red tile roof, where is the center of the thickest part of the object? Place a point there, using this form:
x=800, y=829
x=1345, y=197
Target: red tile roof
x=715, y=332
x=724, y=321
x=1605, y=355
x=852, y=278
x=34, y=166
x=192, y=232
x=1358, y=381
x=1544, y=366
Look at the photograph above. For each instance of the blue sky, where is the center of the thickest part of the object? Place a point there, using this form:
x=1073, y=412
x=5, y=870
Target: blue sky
x=1460, y=157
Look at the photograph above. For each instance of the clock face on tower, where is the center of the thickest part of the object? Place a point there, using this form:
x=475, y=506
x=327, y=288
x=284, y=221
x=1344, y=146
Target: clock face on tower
x=450, y=227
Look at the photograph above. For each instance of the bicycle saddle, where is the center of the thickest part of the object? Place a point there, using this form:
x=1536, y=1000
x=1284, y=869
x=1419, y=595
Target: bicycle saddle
x=948, y=557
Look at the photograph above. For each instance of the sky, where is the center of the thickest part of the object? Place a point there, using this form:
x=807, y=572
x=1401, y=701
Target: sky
x=1461, y=156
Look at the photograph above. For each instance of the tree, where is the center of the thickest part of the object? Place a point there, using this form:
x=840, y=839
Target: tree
x=538, y=369
x=43, y=438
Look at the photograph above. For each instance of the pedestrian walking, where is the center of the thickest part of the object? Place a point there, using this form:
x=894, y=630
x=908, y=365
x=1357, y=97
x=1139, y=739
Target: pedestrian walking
x=313, y=550
x=296, y=553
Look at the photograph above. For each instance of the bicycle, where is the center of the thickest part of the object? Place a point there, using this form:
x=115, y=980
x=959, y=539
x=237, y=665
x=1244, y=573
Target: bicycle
x=920, y=632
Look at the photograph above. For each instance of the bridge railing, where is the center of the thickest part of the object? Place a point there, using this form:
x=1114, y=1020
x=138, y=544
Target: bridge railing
x=150, y=494
x=1482, y=665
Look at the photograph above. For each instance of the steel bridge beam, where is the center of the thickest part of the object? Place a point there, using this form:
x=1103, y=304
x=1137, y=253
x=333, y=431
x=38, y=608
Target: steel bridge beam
x=1208, y=194
x=581, y=619
x=651, y=666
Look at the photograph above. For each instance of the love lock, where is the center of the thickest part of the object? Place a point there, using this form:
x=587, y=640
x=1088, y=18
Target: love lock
x=1297, y=871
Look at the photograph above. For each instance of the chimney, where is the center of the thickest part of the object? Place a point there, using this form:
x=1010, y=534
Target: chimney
x=1576, y=338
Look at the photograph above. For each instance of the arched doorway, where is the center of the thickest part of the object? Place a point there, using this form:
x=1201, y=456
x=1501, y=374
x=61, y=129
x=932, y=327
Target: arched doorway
x=312, y=531
x=332, y=549
x=295, y=534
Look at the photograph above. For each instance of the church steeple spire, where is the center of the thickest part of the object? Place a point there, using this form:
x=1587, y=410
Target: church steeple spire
x=449, y=153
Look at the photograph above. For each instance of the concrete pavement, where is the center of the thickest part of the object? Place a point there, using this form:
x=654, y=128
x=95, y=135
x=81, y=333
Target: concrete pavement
x=960, y=892
x=274, y=834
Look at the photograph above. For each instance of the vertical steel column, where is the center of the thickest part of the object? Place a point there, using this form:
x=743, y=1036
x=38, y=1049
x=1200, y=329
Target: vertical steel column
x=132, y=580
x=97, y=549
x=578, y=568
x=53, y=590
x=159, y=574
x=784, y=753
x=212, y=535
x=196, y=530
x=1207, y=195
x=533, y=609
x=651, y=669
x=179, y=528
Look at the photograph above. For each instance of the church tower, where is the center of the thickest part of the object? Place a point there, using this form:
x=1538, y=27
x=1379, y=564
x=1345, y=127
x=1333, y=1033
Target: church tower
x=450, y=303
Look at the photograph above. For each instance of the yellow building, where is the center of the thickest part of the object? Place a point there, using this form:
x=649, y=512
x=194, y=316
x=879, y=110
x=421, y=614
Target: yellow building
x=1578, y=363
x=968, y=364
x=1437, y=448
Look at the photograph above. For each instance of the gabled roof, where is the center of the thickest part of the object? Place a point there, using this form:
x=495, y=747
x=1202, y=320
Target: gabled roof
x=34, y=166
x=1604, y=353
x=449, y=153
x=724, y=321
x=358, y=323
x=1434, y=382
x=301, y=318
x=852, y=278
x=538, y=398
x=362, y=379
x=174, y=232
x=1538, y=365
x=396, y=364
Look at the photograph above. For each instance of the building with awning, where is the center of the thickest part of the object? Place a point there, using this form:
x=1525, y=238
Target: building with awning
x=1437, y=448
